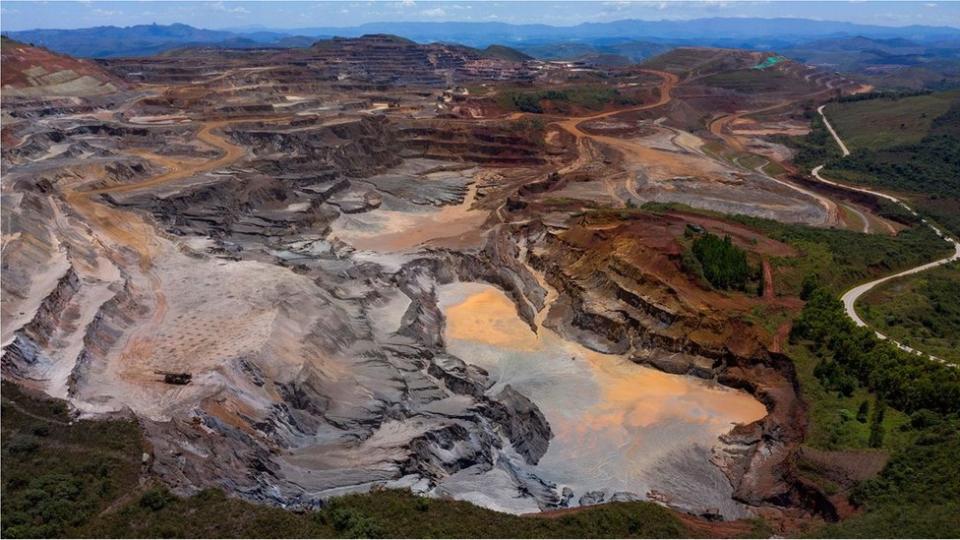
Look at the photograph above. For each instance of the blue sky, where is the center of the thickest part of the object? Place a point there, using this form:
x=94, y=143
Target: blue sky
x=17, y=15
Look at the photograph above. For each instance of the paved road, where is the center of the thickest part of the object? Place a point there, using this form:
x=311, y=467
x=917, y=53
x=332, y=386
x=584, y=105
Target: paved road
x=850, y=297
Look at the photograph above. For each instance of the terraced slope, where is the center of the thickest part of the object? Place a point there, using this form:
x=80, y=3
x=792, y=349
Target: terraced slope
x=34, y=72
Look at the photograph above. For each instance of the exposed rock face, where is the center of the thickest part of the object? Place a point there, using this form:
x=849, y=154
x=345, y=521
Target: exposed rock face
x=307, y=375
x=622, y=291
x=527, y=429
x=591, y=498
x=624, y=496
x=368, y=63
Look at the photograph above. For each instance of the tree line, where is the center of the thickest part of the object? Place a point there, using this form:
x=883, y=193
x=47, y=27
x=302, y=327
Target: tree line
x=852, y=356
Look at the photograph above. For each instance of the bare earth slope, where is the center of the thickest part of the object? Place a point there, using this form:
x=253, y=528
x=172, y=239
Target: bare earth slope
x=33, y=71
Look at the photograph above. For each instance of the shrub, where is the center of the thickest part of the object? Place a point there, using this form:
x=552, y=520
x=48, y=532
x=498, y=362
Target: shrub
x=156, y=499
x=353, y=523
x=863, y=411
x=724, y=264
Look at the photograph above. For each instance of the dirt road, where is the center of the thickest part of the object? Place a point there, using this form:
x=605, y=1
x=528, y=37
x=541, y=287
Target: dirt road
x=843, y=147
x=630, y=149
x=177, y=170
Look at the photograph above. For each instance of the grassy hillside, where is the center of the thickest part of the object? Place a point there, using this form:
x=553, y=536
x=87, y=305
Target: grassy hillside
x=756, y=81
x=908, y=146
x=83, y=479
x=865, y=393
x=917, y=495
x=922, y=310
x=881, y=123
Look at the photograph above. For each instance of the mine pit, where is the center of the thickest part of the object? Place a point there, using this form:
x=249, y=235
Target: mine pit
x=305, y=265
x=619, y=428
x=417, y=207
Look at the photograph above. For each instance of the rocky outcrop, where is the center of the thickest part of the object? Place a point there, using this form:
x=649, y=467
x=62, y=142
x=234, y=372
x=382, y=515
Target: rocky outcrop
x=356, y=147
x=613, y=299
x=525, y=425
x=474, y=144
x=591, y=498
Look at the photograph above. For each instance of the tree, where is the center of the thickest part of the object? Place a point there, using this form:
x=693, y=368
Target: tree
x=863, y=411
x=876, y=425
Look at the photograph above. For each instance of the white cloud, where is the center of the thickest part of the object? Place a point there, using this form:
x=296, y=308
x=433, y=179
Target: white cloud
x=221, y=6
x=408, y=3
x=435, y=12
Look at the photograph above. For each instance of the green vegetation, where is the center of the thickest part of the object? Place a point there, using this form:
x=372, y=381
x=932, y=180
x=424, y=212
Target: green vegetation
x=907, y=145
x=921, y=310
x=57, y=476
x=533, y=127
x=873, y=124
x=832, y=258
x=814, y=148
x=82, y=479
x=885, y=94
x=838, y=364
x=851, y=356
x=839, y=258
x=836, y=422
x=918, y=493
x=386, y=514
x=590, y=97
x=723, y=264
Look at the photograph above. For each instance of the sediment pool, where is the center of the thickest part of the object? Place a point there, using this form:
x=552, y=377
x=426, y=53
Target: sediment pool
x=618, y=426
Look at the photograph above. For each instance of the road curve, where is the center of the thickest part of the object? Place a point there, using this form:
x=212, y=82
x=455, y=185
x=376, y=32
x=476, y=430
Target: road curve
x=850, y=297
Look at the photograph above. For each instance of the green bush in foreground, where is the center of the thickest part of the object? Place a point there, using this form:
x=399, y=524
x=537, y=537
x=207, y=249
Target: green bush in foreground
x=386, y=514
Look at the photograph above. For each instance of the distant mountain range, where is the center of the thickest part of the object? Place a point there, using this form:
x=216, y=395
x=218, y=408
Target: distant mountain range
x=755, y=31
x=142, y=40
x=629, y=39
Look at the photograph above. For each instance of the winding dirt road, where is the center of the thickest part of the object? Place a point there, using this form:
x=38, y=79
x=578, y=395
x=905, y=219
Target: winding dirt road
x=850, y=297
x=626, y=147
x=718, y=127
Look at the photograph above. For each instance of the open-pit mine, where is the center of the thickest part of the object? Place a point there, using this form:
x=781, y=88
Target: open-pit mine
x=357, y=265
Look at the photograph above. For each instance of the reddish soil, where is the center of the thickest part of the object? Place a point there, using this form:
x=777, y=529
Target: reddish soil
x=744, y=236
x=768, y=293
x=18, y=57
x=783, y=333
